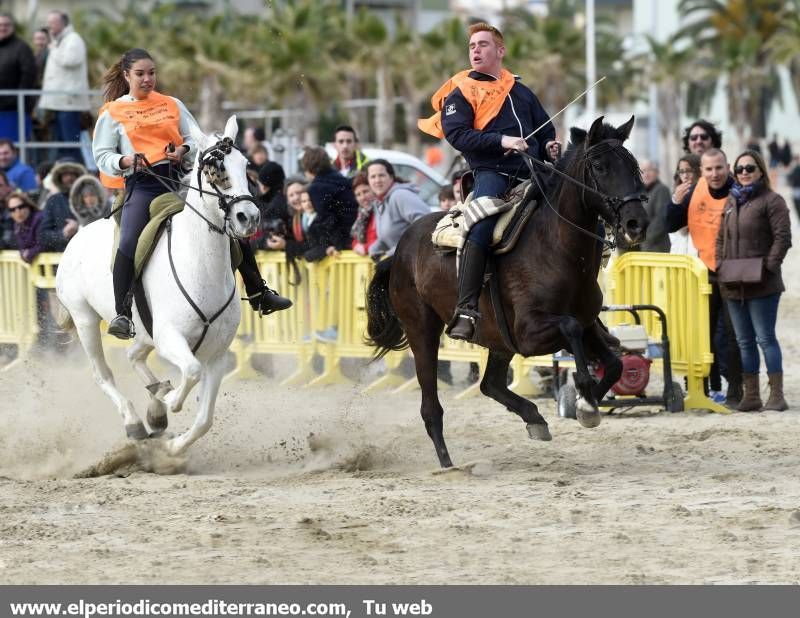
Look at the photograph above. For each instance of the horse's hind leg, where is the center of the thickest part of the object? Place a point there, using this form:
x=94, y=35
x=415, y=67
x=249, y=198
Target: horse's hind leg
x=587, y=412
x=494, y=385
x=89, y=334
x=423, y=330
x=209, y=387
x=156, y=410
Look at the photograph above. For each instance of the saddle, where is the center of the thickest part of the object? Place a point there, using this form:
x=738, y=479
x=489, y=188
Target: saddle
x=452, y=229
x=162, y=209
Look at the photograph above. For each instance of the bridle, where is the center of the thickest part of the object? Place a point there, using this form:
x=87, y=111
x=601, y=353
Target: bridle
x=612, y=203
x=211, y=168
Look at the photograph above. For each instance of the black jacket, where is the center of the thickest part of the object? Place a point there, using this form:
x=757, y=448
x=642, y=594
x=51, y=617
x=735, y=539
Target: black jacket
x=336, y=206
x=677, y=215
x=17, y=71
x=56, y=212
x=520, y=114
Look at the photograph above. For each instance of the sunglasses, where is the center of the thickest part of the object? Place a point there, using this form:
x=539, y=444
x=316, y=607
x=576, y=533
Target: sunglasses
x=697, y=136
x=745, y=168
x=13, y=208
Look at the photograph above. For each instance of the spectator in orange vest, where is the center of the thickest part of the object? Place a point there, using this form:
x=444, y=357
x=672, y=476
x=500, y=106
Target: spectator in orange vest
x=701, y=209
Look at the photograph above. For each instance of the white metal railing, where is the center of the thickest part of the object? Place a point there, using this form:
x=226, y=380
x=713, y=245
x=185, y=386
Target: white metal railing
x=22, y=143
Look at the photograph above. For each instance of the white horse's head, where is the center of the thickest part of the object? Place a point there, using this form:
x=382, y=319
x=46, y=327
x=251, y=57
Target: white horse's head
x=221, y=170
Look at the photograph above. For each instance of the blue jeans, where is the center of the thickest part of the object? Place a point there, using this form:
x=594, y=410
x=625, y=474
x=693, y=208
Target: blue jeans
x=67, y=128
x=754, y=323
x=487, y=184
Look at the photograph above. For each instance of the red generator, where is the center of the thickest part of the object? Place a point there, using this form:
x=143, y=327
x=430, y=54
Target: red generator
x=637, y=354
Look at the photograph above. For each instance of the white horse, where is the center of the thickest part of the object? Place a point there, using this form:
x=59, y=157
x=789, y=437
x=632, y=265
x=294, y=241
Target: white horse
x=200, y=255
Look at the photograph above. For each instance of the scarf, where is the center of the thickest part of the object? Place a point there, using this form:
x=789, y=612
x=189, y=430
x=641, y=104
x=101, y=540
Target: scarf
x=744, y=193
x=359, y=230
x=297, y=227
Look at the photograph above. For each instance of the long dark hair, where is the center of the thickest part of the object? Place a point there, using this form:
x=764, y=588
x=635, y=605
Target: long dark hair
x=114, y=84
x=760, y=163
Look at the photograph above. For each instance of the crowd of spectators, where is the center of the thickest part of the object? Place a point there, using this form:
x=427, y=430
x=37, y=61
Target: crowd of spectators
x=720, y=213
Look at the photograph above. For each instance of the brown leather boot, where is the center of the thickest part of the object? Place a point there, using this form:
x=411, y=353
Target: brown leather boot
x=776, y=400
x=751, y=399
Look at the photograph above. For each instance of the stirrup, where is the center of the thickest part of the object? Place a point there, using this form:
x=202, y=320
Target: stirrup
x=121, y=327
x=468, y=316
x=258, y=300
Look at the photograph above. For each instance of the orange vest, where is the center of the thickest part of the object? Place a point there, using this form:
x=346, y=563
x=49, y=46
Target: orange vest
x=150, y=125
x=705, y=217
x=485, y=97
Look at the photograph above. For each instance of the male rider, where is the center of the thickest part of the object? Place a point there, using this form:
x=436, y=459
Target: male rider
x=485, y=113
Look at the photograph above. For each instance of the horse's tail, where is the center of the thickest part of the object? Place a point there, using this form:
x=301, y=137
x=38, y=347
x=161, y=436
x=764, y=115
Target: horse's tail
x=384, y=330
x=63, y=318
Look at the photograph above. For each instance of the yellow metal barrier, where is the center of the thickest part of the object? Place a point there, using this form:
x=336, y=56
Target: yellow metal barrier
x=679, y=285
x=332, y=293
x=284, y=332
x=17, y=305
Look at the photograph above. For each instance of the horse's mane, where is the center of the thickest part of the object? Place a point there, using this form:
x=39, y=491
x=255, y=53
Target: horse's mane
x=572, y=162
x=577, y=145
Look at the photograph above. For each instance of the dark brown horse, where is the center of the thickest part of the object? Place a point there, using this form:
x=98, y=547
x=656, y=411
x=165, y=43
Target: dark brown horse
x=548, y=284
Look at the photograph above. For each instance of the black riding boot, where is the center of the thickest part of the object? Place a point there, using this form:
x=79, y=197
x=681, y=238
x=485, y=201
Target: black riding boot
x=122, y=325
x=470, y=282
x=262, y=299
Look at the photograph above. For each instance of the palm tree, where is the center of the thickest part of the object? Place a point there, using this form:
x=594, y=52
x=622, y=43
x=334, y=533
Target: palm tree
x=668, y=66
x=304, y=43
x=431, y=59
x=785, y=45
x=732, y=39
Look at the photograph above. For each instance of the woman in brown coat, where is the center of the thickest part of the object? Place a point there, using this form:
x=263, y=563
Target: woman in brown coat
x=753, y=240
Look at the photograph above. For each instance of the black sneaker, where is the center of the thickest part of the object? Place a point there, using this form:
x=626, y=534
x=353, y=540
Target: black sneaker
x=121, y=327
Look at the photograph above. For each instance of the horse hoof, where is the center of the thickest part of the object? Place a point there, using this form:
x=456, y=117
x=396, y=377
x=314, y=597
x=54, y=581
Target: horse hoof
x=136, y=431
x=538, y=431
x=587, y=414
x=157, y=418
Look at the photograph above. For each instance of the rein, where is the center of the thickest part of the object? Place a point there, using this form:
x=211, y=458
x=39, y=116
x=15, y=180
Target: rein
x=614, y=203
x=211, y=157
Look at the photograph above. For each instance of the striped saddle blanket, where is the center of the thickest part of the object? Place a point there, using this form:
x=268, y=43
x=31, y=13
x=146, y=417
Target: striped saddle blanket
x=452, y=229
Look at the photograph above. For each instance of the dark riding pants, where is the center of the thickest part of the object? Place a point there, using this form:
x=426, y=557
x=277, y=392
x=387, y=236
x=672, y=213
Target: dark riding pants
x=140, y=189
x=487, y=184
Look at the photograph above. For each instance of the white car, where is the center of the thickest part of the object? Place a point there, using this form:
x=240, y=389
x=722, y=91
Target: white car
x=410, y=169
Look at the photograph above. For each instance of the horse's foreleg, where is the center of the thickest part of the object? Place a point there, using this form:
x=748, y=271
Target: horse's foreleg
x=611, y=362
x=89, y=335
x=156, y=410
x=173, y=347
x=209, y=387
x=494, y=385
x=587, y=412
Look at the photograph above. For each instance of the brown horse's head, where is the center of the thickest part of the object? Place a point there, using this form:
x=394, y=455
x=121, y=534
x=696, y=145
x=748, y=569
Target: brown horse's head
x=599, y=160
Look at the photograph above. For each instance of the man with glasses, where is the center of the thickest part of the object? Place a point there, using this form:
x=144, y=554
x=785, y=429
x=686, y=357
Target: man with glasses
x=701, y=210
x=17, y=72
x=700, y=136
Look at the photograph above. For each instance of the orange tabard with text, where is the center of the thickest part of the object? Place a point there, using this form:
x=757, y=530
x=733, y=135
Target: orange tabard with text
x=705, y=217
x=150, y=125
x=485, y=97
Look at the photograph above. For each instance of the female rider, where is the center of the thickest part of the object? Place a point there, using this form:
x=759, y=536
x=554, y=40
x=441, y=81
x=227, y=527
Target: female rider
x=137, y=119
